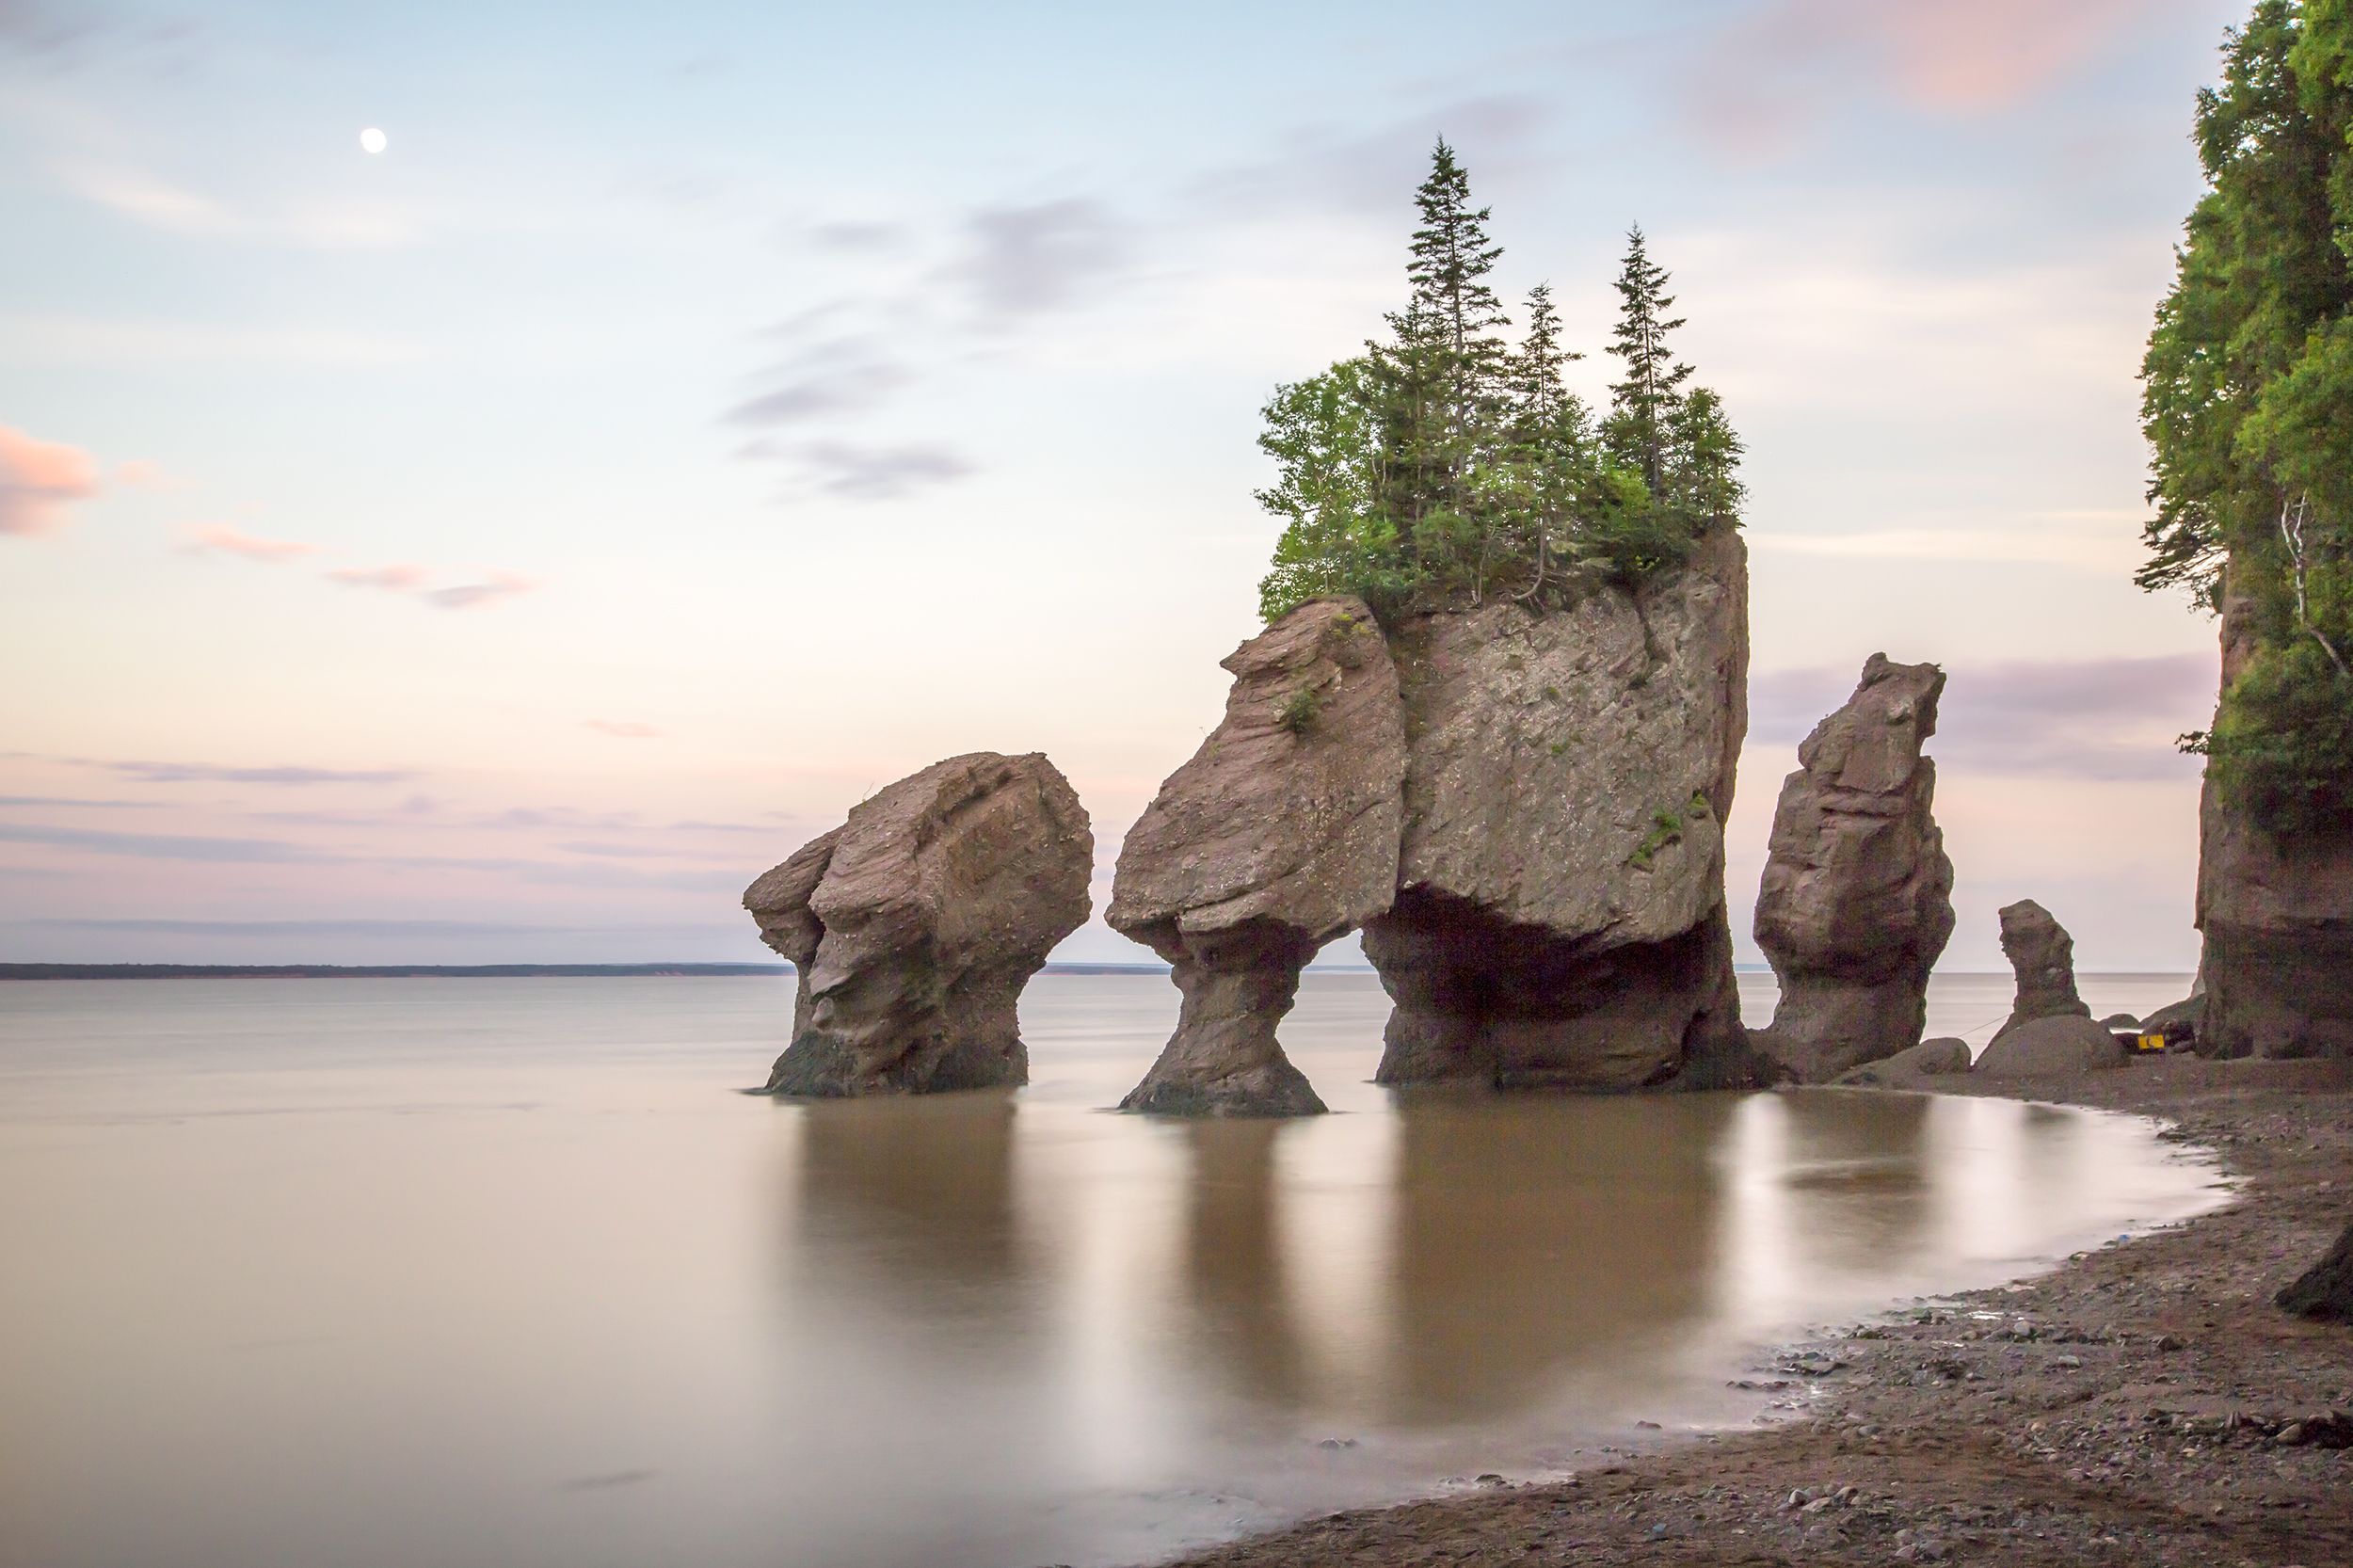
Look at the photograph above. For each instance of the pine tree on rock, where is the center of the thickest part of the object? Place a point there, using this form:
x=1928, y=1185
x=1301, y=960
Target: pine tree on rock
x=1642, y=405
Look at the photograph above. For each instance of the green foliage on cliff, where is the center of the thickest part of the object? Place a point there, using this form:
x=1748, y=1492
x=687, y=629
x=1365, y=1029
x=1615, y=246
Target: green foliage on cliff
x=1446, y=465
x=2248, y=403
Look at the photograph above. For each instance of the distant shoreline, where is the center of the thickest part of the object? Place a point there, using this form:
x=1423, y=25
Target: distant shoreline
x=455, y=972
x=671, y=971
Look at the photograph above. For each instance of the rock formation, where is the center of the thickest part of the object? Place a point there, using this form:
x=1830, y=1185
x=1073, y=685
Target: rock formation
x=1856, y=901
x=2042, y=955
x=2057, y=1043
x=2277, y=919
x=2324, y=1292
x=913, y=925
x=1280, y=834
x=1911, y=1068
x=1559, y=911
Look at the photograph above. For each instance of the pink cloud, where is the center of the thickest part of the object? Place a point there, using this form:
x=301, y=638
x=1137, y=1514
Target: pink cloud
x=398, y=580
x=229, y=541
x=1766, y=78
x=408, y=578
x=627, y=730
x=38, y=479
x=466, y=596
x=141, y=474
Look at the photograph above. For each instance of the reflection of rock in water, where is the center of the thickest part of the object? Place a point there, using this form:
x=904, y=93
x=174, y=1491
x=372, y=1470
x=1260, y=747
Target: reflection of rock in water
x=1858, y=1185
x=1234, y=1259
x=920, y=1191
x=1521, y=1244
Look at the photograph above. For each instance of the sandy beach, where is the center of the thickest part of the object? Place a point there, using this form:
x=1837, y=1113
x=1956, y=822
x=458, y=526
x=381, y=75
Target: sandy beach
x=2144, y=1403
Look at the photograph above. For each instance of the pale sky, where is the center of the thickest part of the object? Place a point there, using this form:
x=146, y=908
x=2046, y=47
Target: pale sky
x=503, y=547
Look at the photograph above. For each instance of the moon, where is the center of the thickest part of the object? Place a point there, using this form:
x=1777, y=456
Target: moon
x=371, y=140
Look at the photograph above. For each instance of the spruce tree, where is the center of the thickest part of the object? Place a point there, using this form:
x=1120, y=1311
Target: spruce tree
x=2247, y=404
x=1642, y=405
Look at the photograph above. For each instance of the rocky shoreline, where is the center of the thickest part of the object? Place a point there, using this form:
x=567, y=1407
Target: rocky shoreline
x=2145, y=1403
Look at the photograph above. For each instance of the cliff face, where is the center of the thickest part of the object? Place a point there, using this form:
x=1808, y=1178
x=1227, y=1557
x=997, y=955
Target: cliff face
x=915, y=924
x=2277, y=919
x=1856, y=901
x=1559, y=910
x=1280, y=834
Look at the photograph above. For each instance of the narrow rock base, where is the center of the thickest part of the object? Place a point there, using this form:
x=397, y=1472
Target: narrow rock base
x=1224, y=1059
x=1483, y=1001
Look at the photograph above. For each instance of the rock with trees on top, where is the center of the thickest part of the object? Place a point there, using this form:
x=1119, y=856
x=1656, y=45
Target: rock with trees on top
x=1564, y=599
x=2247, y=405
x=913, y=925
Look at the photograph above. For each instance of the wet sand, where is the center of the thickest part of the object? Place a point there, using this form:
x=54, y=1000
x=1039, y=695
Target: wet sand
x=2133, y=1406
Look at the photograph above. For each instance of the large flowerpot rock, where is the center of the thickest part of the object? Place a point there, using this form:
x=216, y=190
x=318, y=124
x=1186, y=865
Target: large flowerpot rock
x=1560, y=912
x=1856, y=901
x=2043, y=956
x=2049, y=1046
x=913, y=925
x=1280, y=834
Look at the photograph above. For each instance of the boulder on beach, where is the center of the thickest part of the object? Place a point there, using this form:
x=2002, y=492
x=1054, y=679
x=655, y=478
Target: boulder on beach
x=1559, y=911
x=1856, y=900
x=1280, y=834
x=2324, y=1292
x=2177, y=1023
x=913, y=925
x=2042, y=955
x=1909, y=1068
x=2050, y=1046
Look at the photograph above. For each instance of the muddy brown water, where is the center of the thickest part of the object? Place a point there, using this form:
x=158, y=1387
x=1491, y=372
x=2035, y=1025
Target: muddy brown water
x=435, y=1271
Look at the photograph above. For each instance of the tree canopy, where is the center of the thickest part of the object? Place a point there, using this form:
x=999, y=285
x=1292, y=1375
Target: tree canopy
x=2247, y=404
x=1446, y=465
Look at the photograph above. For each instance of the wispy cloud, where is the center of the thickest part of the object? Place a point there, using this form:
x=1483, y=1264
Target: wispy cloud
x=38, y=480
x=468, y=595
x=1019, y=262
x=406, y=578
x=1767, y=77
x=147, y=772
x=624, y=729
x=229, y=541
x=832, y=376
x=77, y=803
x=149, y=199
x=168, y=846
x=859, y=472
x=394, y=579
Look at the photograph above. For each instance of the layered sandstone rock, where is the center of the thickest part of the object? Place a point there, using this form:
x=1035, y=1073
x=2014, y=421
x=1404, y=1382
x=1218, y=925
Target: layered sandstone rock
x=913, y=925
x=1280, y=834
x=2043, y=956
x=1559, y=910
x=2278, y=916
x=1856, y=901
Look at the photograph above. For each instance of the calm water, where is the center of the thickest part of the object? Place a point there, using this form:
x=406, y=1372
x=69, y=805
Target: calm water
x=417, y=1272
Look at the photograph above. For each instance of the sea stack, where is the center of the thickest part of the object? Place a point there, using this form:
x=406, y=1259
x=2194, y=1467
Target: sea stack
x=1559, y=911
x=915, y=924
x=2050, y=1029
x=1856, y=901
x=2042, y=957
x=2277, y=912
x=1280, y=834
